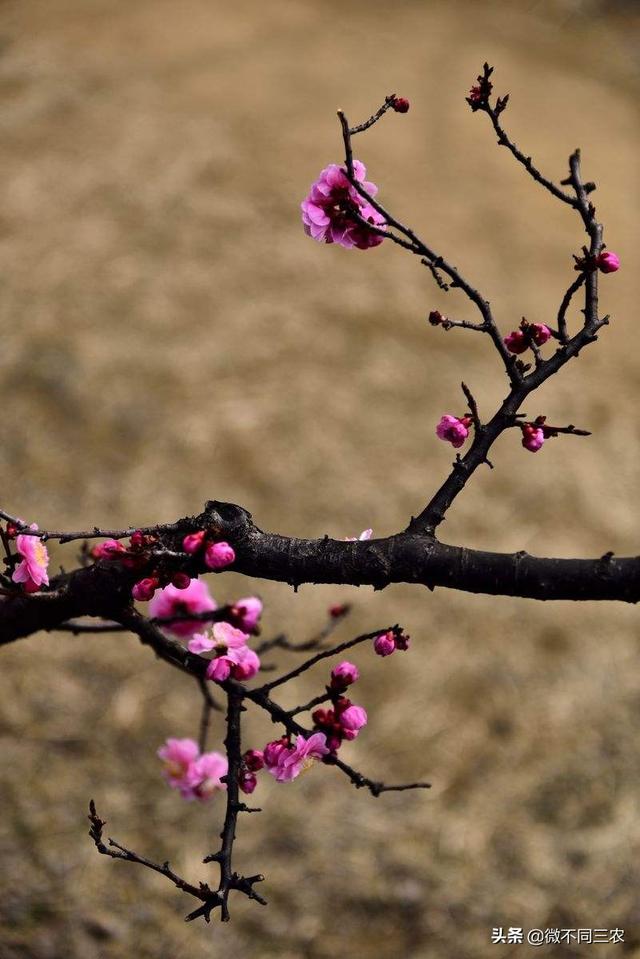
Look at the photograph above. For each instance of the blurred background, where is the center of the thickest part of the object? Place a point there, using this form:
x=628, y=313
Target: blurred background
x=170, y=335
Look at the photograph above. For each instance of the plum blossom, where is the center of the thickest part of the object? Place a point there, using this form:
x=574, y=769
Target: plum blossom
x=453, y=430
x=144, y=589
x=540, y=333
x=364, y=535
x=246, y=613
x=352, y=719
x=108, y=550
x=31, y=571
x=179, y=756
x=285, y=761
x=193, y=542
x=219, y=555
x=195, y=776
x=232, y=656
x=206, y=773
x=608, y=261
x=517, y=342
x=385, y=644
x=344, y=674
x=532, y=437
x=172, y=601
x=330, y=211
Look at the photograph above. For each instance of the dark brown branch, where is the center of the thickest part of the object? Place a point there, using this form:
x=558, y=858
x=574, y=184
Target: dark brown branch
x=114, y=850
x=564, y=306
x=334, y=651
x=503, y=140
x=419, y=247
x=361, y=782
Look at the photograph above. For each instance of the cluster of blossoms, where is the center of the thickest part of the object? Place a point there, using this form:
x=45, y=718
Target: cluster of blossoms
x=343, y=720
x=216, y=555
x=196, y=775
x=231, y=655
x=334, y=211
x=527, y=335
x=196, y=599
x=31, y=571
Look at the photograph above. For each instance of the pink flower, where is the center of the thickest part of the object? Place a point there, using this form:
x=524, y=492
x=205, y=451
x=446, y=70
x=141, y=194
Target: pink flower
x=353, y=718
x=539, y=333
x=31, y=571
x=247, y=781
x=178, y=756
x=329, y=211
x=364, y=535
x=232, y=656
x=144, y=589
x=608, y=262
x=205, y=775
x=253, y=760
x=384, y=644
x=286, y=762
x=222, y=637
x=517, y=341
x=532, y=437
x=272, y=751
x=192, y=543
x=108, y=550
x=219, y=555
x=453, y=430
x=400, y=104
x=344, y=674
x=247, y=667
x=246, y=613
x=172, y=601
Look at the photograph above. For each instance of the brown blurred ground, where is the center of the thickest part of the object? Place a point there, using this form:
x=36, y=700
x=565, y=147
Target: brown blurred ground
x=169, y=335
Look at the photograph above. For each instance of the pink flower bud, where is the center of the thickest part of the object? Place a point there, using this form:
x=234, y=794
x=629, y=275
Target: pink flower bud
x=400, y=104
x=338, y=610
x=608, y=262
x=219, y=555
x=108, y=550
x=246, y=613
x=273, y=750
x=247, y=781
x=253, y=759
x=219, y=669
x=517, y=341
x=192, y=543
x=138, y=539
x=540, y=333
x=532, y=437
x=247, y=667
x=384, y=644
x=323, y=717
x=144, y=589
x=453, y=430
x=344, y=674
x=353, y=718
x=13, y=529
x=181, y=580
